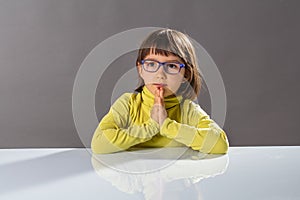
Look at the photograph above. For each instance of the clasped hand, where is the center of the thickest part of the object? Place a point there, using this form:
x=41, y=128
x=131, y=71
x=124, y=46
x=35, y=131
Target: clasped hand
x=158, y=112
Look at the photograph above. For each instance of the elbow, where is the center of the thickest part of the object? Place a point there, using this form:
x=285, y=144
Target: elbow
x=96, y=150
x=101, y=150
x=97, y=143
x=103, y=146
x=222, y=145
x=221, y=149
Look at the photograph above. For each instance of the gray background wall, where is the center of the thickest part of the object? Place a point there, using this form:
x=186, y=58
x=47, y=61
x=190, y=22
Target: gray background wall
x=254, y=43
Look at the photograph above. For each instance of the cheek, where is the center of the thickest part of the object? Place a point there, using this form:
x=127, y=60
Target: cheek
x=142, y=74
x=175, y=82
x=139, y=69
x=145, y=77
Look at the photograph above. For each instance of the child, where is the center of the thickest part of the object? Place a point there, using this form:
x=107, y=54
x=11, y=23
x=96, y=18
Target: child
x=161, y=113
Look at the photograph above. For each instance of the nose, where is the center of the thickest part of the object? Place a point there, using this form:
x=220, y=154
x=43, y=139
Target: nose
x=160, y=74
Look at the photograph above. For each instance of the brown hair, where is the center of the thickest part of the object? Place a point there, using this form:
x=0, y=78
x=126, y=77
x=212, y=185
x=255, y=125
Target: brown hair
x=171, y=42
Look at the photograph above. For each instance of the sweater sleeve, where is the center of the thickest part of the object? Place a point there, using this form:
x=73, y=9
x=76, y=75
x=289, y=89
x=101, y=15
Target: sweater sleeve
x=114, y=134
x=201, y=133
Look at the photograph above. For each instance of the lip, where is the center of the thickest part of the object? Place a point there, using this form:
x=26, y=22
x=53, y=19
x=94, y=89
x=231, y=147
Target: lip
x=160, y=84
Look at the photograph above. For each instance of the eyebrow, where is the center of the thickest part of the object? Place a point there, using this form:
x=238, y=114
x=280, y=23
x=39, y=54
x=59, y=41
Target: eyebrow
x=174, y=60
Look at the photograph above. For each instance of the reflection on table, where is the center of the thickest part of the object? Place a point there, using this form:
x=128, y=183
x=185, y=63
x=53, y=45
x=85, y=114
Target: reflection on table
x=167, y=173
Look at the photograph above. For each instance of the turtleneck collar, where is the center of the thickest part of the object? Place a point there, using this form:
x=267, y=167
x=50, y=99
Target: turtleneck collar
x=170, y=101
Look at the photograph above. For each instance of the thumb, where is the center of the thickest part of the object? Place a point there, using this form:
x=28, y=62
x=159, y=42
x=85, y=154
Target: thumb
x=161, y=92
x=161, y=96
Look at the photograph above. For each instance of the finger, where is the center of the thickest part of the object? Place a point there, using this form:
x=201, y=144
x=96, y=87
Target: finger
x=159, y=101
x=156, y=97
x=161, y=92
x=161, y=96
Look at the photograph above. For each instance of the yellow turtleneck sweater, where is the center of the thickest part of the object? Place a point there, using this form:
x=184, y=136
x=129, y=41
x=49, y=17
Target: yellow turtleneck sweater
x=128, y=124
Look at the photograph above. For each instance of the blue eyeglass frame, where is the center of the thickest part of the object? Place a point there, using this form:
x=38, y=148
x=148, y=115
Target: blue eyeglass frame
x=181, y=65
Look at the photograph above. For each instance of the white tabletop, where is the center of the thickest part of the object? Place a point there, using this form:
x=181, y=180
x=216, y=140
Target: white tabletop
x=169, y=173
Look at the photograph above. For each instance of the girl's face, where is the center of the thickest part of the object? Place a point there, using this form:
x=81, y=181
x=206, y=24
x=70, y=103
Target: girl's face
x=169, y=82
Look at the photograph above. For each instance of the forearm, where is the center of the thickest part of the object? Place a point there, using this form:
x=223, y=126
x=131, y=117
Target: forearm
x=109, y=138
x=206, y=137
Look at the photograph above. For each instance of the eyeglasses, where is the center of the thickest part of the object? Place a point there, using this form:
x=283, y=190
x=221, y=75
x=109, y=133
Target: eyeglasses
x=169, y=67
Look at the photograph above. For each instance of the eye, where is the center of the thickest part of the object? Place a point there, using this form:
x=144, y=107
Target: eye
x=173, y=66
x=150, y=63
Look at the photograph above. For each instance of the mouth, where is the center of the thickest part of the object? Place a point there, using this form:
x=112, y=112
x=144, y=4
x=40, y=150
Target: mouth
x=160, y=84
